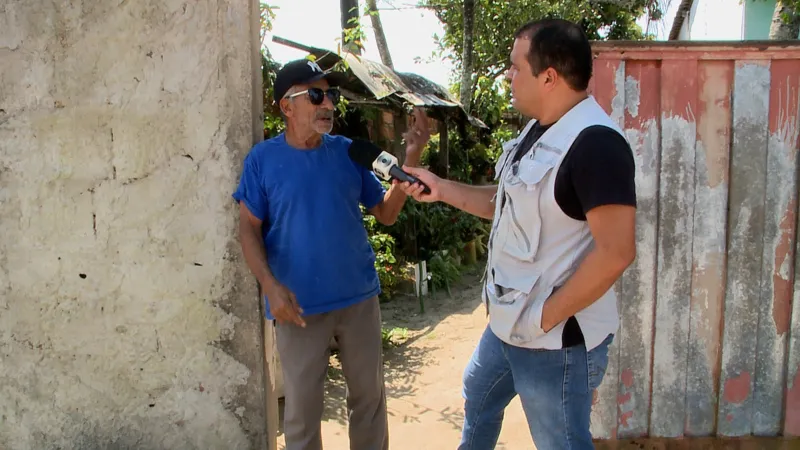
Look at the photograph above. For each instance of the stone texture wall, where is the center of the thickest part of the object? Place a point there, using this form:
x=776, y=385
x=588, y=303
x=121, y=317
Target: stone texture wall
x=127, y=316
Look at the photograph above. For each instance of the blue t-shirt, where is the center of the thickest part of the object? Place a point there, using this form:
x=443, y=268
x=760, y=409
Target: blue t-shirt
x=313, y=232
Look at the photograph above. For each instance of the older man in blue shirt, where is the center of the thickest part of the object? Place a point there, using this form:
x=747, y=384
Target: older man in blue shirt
x=303, y=238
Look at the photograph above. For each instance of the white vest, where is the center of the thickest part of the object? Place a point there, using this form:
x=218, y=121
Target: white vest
x=534, y=247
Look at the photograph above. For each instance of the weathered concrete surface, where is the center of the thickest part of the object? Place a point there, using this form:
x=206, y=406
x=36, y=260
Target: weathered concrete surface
x=127, y=317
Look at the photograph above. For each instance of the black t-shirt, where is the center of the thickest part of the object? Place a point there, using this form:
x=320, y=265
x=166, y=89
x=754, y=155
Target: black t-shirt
x=597, y=170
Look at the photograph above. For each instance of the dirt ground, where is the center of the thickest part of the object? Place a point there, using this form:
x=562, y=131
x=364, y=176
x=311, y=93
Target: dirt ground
x=423, y=375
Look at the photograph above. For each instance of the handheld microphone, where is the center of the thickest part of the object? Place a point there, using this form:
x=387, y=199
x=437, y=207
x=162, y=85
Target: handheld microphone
x=384, y=164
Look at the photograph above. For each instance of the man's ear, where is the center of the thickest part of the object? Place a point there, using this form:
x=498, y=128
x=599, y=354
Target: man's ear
x=550, y=77
x=285, y=106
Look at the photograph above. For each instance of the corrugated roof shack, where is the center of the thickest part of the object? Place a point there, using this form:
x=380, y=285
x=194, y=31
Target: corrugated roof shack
x=708, y=344
x=381, y=100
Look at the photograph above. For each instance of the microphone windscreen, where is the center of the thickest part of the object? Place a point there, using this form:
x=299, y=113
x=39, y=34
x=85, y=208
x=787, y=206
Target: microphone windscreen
x=364, y=153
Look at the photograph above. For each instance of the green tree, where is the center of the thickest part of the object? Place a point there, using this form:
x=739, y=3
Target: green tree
x=785, y=20
x=273, y=123
x=494, y=25
x=380, y=36
x=496, y=21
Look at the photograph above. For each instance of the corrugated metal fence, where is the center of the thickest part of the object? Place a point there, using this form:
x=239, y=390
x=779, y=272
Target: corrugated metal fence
x=710, y=342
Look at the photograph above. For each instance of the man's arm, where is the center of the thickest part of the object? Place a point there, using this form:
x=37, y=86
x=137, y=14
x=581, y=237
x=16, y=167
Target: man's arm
x=475, y=200
x=253, y=247
x=282, y=302
x=387, y=211
x=253, y=209
x=613, y=229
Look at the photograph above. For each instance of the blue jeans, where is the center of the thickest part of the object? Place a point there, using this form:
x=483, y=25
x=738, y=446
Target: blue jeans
x=555, y=388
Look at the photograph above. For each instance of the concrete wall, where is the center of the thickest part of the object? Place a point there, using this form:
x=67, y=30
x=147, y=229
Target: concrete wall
x=127, y=317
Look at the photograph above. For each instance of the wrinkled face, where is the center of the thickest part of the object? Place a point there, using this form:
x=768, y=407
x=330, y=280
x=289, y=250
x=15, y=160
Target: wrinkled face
x=527, y=91
x=303, y=115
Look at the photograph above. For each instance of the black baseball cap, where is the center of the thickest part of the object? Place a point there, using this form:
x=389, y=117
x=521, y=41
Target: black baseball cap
x=300, y=71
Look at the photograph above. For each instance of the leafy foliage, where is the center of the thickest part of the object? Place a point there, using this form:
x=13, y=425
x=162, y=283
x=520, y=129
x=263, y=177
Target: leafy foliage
x=383, y=244
x=496, y=22
x=273, y=123
x=444, y=270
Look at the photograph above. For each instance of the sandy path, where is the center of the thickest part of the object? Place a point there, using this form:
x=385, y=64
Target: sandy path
x=423, y=376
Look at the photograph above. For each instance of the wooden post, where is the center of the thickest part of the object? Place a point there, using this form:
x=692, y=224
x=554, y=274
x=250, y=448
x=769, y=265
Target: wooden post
x=444, y=150
x=400, y=127
x=270, y=378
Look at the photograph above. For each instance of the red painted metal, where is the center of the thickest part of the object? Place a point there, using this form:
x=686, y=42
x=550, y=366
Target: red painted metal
x=709, y=342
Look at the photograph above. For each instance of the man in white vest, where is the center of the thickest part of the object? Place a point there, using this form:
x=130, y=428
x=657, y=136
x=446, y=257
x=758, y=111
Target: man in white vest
x=563, y=232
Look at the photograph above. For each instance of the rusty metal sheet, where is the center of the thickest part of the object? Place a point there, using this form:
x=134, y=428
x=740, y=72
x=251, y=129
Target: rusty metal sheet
x=697, y=50
x=791, y=425
x=675, y=225
x=784, y=146
x=709, y=345
x=379, y=79
x=380, y=82
x=778, y=257
x=638, y=287
x=712, y=160
x=747, y=190
x=609, y=76
x=425, y=99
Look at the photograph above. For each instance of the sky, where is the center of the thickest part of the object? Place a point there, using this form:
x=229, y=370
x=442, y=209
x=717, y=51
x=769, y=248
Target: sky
x=409, y=33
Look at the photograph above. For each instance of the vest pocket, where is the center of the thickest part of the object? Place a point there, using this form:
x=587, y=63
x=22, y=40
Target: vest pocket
x=520, y=221
x=533, y=170
x=508, y=313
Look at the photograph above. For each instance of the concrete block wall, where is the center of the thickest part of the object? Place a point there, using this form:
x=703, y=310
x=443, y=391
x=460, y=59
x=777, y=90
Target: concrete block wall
x=127, y=316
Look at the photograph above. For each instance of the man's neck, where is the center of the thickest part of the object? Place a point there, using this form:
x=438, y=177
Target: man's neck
x=305, y=141
x=557, y=111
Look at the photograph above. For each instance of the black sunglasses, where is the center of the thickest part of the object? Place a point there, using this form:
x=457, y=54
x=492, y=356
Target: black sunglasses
x=316, y=95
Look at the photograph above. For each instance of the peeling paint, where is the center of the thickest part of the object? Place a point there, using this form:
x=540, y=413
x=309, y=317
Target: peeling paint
x=746, y=227
x=778, y=252
x=638, y=285
x=632, y=100
x=715, y=141
x=737, y=389
x=676, y=212
x=618, y=101
x=624, y=418
x=713, y=124
x=782, y=276
x=627, y=378
x=792, y=424
x=603, y=424
x=712, y=160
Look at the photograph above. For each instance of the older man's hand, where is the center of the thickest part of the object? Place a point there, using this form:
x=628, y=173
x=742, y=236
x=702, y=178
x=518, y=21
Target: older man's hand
x=283, y=305
x=416, y=137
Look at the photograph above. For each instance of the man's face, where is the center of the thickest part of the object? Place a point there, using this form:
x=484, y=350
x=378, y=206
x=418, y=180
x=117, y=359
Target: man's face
x=304, y=115
x=527, y=90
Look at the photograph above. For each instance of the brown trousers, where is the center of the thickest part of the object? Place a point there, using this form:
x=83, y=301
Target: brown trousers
x=304, y=354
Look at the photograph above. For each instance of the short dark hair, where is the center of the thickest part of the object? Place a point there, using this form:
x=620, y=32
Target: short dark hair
x=562, y=45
